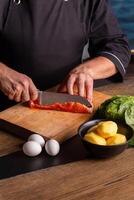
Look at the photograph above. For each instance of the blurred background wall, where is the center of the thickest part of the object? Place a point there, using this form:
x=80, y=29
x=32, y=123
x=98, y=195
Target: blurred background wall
x=124, y=11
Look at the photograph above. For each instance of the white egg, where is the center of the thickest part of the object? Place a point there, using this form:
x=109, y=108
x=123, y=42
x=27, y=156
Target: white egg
x=32, y=148
x=37, y=138
x=52, y=147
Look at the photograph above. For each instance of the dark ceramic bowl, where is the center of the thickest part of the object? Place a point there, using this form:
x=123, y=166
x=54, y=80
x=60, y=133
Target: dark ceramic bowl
x=105, y=151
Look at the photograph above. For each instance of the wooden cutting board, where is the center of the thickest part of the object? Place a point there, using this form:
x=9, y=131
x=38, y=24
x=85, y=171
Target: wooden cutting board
x=51, y=124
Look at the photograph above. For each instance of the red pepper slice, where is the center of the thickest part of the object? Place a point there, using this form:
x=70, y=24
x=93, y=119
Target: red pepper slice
x=75, y=107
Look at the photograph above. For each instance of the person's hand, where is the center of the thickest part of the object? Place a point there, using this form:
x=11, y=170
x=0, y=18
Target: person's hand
x=16, y=86
x=78, y=82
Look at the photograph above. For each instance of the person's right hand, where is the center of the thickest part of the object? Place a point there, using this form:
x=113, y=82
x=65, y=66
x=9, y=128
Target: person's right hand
x=16, y=86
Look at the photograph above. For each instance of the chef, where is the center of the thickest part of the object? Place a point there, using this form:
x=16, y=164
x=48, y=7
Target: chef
x=41, y=45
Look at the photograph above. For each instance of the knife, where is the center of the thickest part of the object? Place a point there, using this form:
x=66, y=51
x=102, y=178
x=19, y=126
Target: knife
x=48, y=98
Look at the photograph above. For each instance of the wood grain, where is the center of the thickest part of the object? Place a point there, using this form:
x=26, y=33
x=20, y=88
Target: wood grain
x=127, y=87
x=104, y=179
x=9, y=143
x=50, y=124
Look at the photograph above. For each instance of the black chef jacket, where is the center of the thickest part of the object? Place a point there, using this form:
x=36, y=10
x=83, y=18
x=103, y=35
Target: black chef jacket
x=45, y=39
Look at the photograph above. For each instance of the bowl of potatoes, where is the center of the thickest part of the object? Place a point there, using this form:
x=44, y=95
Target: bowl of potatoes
x=105, y=138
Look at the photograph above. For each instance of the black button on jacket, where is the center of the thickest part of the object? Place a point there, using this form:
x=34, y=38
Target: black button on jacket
x=45, y=39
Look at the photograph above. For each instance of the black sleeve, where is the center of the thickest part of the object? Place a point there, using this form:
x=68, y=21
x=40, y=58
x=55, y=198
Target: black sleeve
x=106, y=38
x=4, y=6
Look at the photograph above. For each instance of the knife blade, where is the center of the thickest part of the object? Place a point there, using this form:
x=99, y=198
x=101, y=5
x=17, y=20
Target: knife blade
x=48, y=98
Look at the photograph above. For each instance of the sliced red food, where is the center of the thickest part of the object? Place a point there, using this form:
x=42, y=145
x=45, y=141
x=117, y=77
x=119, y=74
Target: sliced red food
x=67, y=107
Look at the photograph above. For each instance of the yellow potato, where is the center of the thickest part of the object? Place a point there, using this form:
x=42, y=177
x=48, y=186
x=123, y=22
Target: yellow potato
x=107, y=129
x=116, y=139
x=92, y=129
x=94, y=138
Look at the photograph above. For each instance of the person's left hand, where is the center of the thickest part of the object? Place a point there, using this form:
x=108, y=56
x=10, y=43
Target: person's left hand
x=78, y=82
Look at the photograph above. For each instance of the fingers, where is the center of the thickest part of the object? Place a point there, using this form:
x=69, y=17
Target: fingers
x=22, y=90
x=84, y=85
x=17, y=95
x=70, y=84
x=33, y=92
x=25, y=95
x=11, y=96
x=89, y=90
x=81, y=85
x=17, y=86
x=14, y=93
